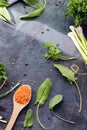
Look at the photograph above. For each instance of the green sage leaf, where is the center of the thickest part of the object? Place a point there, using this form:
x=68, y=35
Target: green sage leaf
x=66, y=72
x=43, y=91
x=42, y=96
x=55, y=101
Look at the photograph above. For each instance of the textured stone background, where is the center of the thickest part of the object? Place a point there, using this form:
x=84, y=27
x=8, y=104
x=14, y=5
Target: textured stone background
x=24, y=44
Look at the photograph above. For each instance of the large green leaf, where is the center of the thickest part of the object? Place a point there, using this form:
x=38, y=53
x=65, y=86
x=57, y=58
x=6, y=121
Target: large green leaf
x=4, y=14
x=66, y=72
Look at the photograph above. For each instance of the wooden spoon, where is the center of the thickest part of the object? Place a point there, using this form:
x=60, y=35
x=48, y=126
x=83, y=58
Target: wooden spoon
x=16, y=110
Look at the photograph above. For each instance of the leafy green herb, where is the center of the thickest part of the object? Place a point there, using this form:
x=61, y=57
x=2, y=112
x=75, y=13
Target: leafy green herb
x=3, y=75
x=55, y=101
x=69, y=74
x=80, y=41
x=4, y=3
x=55, y=53
x=77, y=9
x=42, y=96
x=35, y=13
x=29, y=119
x=4, y=14
x=6, y=93
x=33, y=3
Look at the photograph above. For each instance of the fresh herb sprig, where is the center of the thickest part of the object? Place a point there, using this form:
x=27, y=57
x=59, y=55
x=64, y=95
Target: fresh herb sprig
x=55, y=53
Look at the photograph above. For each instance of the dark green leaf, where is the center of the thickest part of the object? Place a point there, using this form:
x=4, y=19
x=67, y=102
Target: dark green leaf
x=66, y=72
x=43, y=91
x=29, y=119
x=55, y=101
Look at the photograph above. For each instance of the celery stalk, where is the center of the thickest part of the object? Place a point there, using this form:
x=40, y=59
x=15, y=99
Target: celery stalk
x=79, y=40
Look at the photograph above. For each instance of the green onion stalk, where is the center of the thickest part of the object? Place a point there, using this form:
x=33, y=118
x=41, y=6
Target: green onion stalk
x=79, y=40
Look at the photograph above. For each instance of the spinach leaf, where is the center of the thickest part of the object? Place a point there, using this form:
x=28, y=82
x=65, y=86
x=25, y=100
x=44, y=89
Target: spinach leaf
x=66, y=72
x=29, y=119
x=55, y=53
x=4, y=3
x=4, y=14
x=35, y=13
x=55, y=101
x=69, y=74
x=43, y=93
x=33, y=3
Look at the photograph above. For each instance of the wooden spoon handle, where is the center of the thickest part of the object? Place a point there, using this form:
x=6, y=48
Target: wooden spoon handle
x=12, y=120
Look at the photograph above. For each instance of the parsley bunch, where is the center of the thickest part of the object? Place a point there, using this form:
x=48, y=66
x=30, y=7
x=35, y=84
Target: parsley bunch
x=55, y=53
x=77, y=9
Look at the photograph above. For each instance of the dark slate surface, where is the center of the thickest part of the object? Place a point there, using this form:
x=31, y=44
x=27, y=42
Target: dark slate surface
x=24, y=44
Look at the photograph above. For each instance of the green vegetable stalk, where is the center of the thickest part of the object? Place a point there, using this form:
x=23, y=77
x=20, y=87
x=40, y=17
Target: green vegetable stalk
x=80, y=41
x=69, y=74
x=42, y=96
x=55, y=101
x=55, y=53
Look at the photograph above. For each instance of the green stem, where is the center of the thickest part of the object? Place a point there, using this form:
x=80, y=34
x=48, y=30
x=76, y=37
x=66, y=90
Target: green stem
x=37, y=115
x=27, y=128
x=80, y=96
x=6, y=93
x=65, y=120
x=66, y=58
